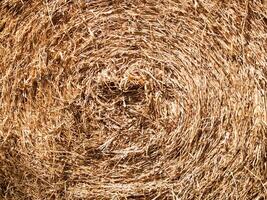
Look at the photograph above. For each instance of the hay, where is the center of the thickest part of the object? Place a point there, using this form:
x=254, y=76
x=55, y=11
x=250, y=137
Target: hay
x=126, y=99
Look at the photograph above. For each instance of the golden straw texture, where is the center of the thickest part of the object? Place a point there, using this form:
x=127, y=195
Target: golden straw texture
x=133, y=99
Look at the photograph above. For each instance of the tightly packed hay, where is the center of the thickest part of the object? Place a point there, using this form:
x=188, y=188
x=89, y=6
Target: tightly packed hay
x=133, y=99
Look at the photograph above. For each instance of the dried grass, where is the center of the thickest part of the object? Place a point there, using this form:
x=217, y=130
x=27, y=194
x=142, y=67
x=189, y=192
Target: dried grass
x=133, y=99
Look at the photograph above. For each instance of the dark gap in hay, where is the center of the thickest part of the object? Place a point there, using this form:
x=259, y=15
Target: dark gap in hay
x=134, y=93
x=21, y=96
x=153, y=151
x=93, y=153
x=3, y=187
x=59, y=18
x=34, y=89
x=2, y=25
x=15, y=8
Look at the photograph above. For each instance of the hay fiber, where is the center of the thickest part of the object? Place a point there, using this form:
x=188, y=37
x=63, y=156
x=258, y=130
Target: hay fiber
x=133, y=99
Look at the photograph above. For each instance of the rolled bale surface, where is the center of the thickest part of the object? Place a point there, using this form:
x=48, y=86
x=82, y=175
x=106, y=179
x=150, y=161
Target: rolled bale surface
x=142, y=99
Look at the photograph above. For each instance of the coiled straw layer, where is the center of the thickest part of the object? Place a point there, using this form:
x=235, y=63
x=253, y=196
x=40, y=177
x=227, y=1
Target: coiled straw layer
x=133, y=99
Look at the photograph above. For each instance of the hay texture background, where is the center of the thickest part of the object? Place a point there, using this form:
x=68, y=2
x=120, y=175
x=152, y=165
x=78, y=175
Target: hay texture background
x=133, y=99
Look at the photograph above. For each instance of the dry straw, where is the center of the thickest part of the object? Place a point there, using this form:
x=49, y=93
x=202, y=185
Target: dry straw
x=133, y=99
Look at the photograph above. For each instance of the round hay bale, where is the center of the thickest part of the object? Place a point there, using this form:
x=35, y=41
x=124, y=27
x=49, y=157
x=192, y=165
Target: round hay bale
x=124, y=99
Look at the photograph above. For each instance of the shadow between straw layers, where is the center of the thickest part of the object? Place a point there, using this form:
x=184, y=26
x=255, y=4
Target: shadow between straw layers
x=142, y=99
